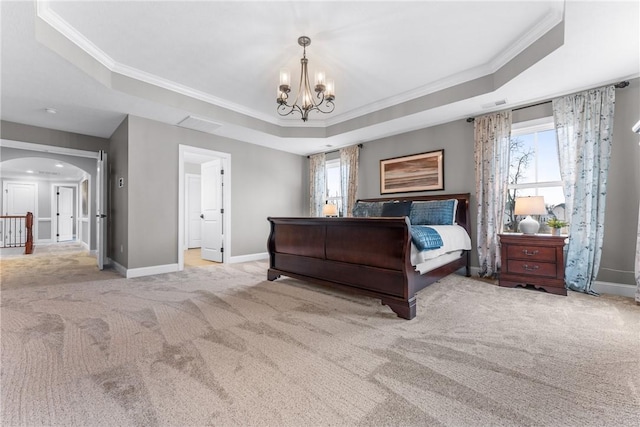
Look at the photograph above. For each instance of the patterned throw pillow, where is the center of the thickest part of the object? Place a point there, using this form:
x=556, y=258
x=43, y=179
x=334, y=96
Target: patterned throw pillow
x=425, y=238
x=396, y=208
x=367, y=209
x=435, y=212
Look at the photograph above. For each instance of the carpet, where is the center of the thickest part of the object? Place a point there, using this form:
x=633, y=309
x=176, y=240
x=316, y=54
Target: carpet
x=50, y=264
x=220, y=345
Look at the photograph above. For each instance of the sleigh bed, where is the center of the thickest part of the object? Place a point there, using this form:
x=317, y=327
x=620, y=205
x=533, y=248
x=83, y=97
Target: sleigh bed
x=370, y=255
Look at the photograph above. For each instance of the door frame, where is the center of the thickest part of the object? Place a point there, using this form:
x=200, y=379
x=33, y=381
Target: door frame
x=54, y=204
x=184, y=149
x=187, y=199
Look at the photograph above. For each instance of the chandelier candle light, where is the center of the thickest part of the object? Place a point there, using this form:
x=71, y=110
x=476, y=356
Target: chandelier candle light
x=533, y=205
x=305, y=101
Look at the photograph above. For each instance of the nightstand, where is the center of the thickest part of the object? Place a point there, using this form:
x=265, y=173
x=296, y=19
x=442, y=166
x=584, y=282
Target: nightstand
x=533, y=259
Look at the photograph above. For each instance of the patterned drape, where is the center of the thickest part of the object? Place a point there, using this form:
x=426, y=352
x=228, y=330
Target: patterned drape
x=584, y=125
x=349, y=177
x=317, y=185
x=492, y=135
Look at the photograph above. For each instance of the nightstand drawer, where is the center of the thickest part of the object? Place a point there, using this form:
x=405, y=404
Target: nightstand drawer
x=534, y=253
x=531, y=268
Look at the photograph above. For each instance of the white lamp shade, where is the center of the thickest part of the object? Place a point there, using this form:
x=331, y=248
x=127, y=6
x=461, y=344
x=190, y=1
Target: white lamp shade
x=532, y=205
x=330, y=210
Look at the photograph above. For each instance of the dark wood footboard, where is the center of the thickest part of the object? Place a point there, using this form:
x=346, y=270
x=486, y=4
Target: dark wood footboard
x=368, y=256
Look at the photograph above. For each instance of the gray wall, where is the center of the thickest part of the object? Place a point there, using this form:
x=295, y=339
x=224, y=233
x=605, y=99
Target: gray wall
x=623, y=191
x=37, y=135
x=264, y=182
x=118, y=218
x=459, y=175
x=457, y=139
x=86, y=164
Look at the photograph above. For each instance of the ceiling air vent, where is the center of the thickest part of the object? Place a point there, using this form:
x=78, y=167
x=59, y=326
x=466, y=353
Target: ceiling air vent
x=201, y=125
x=495, y=103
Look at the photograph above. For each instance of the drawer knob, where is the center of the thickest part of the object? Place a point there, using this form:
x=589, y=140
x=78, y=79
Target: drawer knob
x=530, y=268
x=527, y=253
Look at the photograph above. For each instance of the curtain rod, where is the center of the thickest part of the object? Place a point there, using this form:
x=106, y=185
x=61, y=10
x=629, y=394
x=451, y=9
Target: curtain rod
x=620, y=85
x=335, y=151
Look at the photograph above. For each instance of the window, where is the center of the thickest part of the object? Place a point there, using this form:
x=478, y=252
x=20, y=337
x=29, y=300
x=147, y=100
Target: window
x=534, y=170
x=334, y=192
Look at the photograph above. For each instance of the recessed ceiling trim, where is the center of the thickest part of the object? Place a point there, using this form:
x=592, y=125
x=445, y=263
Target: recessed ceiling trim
x=45, y=12
x=552, y=19
x=541, y=28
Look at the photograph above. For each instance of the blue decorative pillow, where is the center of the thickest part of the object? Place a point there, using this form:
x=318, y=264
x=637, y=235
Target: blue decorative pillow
x=425, y=238
x=434, y=212
x=396, y=208
x=367, y=209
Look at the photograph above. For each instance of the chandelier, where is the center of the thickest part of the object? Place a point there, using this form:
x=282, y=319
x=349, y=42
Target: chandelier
x=305, y=100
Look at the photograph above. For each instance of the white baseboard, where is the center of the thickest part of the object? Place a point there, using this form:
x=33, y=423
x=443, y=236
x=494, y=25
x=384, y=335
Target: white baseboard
x=614, y=289
x=247, y=258
x=131, y=273
x=43, y=241
x=150, y=271
x=119, y=268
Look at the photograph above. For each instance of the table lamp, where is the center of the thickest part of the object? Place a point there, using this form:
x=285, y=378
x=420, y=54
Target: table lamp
x=532, y=205
x=330, y=210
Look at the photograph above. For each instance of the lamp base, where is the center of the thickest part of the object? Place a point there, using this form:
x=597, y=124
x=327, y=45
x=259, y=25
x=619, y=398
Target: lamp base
x=529, y=225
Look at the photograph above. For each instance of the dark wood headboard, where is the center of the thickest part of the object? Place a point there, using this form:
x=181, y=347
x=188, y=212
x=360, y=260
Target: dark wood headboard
x=462, y=215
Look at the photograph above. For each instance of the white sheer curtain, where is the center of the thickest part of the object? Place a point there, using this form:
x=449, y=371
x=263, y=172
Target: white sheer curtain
x=317, y=184
x=492, y=135
x=349, y=177
x=584, y=125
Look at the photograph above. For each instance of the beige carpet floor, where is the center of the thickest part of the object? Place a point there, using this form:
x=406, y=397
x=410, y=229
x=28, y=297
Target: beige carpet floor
x=50, y=264
x=219, y=345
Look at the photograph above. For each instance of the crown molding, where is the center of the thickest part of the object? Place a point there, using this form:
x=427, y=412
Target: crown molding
x=44, y=12
x=553, y=18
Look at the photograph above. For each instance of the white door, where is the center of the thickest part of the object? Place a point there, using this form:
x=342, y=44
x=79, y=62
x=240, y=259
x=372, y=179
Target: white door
x=20, y=198
x=65, y=214
x=212, y=227
x=194, y=210
x=101, y=209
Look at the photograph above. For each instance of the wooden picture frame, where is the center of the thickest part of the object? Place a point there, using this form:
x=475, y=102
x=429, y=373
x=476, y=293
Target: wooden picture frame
x=418, y=172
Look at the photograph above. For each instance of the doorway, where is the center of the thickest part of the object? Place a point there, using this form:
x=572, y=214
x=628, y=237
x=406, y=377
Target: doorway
x=68, y=167
x=214, y=169
x=64, y=204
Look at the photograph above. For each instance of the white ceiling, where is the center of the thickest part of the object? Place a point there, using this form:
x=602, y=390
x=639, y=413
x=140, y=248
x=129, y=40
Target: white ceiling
x=95, y=62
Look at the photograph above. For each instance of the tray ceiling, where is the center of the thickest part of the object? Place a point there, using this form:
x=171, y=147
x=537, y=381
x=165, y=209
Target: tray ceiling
x=219, y=61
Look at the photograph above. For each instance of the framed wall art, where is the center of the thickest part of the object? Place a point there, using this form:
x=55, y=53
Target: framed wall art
x=418, y=172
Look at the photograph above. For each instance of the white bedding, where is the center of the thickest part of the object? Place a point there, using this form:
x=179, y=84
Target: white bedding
x=434, y=263
x=455, y=239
